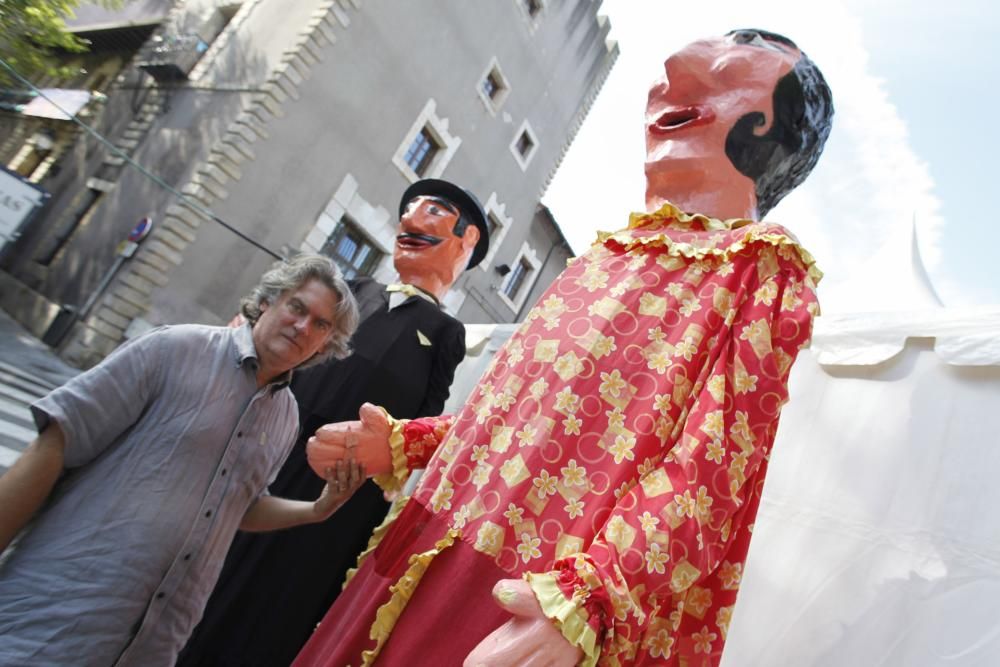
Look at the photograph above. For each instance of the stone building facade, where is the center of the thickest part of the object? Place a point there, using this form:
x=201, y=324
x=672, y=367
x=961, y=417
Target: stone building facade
x=299, y=124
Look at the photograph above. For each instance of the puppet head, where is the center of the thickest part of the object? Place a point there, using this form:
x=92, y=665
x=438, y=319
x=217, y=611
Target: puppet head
x=735, y=123
x=442, y=232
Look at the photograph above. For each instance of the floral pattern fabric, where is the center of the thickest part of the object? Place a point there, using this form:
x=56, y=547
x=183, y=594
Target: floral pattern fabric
x=616, y=447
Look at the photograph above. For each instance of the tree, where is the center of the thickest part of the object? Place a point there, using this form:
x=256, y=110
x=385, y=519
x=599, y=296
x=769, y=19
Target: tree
x=33, y=32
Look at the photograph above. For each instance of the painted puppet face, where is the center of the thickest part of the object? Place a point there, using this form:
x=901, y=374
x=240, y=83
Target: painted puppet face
x=426, y=246
x=706, y=87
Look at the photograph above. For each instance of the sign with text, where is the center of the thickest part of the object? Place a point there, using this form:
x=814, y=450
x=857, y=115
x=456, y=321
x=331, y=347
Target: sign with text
x=18, y=200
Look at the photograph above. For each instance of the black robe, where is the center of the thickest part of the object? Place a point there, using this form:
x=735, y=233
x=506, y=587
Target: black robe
x=275, y=587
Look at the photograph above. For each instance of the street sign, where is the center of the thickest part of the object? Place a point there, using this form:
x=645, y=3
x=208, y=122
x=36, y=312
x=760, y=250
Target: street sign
x=141, y=230
x=19, y=198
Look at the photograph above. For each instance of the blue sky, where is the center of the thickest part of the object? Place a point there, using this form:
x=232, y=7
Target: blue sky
x=914, y=138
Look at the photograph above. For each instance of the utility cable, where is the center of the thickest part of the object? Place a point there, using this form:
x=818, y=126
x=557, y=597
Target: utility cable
x=184, y=199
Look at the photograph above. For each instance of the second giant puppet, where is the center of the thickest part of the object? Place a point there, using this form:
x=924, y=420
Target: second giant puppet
x=593, y=501
x=275, y=588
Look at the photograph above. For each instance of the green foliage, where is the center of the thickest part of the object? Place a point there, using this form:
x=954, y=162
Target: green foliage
x=33, y=32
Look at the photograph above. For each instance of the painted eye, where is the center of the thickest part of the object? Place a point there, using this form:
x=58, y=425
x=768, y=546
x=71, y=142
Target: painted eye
x=746, y=37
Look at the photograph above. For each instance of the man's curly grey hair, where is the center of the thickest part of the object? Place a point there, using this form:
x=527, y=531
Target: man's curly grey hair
x=287, y=275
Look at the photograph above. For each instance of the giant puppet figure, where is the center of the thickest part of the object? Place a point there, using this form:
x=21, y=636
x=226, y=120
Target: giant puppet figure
x=274, y=590
x=593, y=502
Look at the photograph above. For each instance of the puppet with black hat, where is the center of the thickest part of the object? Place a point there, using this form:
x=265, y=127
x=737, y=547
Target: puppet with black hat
x=274, y=588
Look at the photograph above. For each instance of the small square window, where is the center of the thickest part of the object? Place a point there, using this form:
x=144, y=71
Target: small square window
x=493, y=87
x=519, y=274
x=422, y=150
x=523, y=273
x=524, y=144
x=492, y=225
x=427, y=147
x=351, y=250
x=497, y=225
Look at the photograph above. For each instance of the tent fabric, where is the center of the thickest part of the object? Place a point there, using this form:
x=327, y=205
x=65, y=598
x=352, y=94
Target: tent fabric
x=963, y=336
x=876, y=542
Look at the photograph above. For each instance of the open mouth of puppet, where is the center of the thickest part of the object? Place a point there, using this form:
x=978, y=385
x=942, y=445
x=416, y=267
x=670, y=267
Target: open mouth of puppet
x=674, y=120
x=411, y=241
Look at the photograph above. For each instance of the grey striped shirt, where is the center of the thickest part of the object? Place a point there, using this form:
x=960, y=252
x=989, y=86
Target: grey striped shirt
x=168, y=442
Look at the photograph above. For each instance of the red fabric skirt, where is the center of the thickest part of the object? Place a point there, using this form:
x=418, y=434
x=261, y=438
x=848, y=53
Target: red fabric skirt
x=450, y=612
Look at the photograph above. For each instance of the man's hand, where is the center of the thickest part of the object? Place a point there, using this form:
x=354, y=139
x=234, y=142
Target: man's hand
x=365, y=441
x=341, y=482
x=527, y=640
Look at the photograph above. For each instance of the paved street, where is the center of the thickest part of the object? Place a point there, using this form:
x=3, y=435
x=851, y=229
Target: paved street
x=28, y=370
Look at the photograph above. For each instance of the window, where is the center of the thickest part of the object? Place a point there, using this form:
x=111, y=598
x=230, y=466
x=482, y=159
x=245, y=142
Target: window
x=493, y=87
x=351, y=250
x=524, y=145
x=518, y=283
x=492, y=225
x=498, y=223
x=421, y=151
x=515, y=282
x=213, y=36
x=427, y=147
x=355, y=232
x=532, y=11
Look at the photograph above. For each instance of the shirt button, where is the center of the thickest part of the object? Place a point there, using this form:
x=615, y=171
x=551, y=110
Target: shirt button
x=239, y=434
x=159, y=596
x=187, y=556
x=223, y=473
x=208, y=514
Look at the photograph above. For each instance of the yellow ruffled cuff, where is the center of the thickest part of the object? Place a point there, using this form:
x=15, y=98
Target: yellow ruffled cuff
x=568, y=617
x=669, y=218
x=392, y=482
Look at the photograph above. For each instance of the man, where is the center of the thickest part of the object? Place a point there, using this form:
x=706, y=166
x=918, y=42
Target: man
x=147, y=464
x=275, y=588
x=604, y=477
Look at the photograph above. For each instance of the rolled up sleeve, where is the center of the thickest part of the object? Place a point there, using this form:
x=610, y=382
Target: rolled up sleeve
x=96, y=407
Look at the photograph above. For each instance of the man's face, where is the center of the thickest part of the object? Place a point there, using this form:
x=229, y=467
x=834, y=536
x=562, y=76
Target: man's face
x=290, y=331
x=707, y=86
x=427, y=245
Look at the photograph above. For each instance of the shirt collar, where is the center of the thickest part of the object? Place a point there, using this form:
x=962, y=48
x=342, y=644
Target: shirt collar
x=401, y=292
x=247, y=353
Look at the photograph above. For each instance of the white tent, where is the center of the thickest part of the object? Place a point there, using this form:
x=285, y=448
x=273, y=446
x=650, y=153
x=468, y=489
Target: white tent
x=876, y=542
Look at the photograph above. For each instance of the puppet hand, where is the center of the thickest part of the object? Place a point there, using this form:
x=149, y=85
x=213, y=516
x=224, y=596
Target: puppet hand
x=341, y=482
x=365, y=441
x=529, y=639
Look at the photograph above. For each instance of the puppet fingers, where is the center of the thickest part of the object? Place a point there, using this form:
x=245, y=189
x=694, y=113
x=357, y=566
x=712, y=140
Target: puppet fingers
x=516, y=596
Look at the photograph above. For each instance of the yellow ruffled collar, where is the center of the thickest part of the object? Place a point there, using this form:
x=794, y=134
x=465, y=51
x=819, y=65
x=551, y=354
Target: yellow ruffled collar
x=697, y=236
